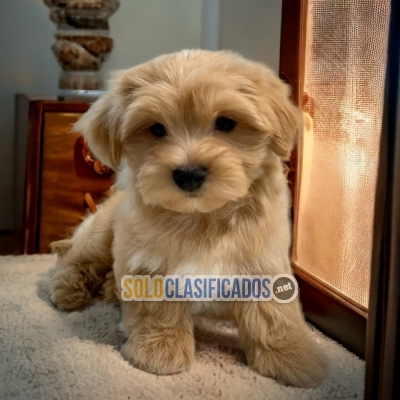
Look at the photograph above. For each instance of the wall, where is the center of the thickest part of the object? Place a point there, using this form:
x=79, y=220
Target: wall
x=252, y=28
x=26, y=65
x=142, y=29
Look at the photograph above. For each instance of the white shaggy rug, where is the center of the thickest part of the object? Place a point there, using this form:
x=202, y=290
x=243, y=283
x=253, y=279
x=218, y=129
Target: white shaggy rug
x=48, y=354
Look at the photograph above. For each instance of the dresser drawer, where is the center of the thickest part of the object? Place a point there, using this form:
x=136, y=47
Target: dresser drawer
x=59, y=174
x=66, y=178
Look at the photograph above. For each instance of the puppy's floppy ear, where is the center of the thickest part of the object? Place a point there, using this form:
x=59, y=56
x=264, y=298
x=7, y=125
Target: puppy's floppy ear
x=289, y=126
x=101, y=124
x=284, y=118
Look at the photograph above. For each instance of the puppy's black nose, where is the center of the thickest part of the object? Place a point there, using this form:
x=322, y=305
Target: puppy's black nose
x=189, y=179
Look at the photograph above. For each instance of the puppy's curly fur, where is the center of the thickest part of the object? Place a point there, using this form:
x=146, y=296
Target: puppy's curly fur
x=237, y=222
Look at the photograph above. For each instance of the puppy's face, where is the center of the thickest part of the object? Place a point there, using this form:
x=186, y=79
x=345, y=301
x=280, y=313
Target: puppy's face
x=196, y=128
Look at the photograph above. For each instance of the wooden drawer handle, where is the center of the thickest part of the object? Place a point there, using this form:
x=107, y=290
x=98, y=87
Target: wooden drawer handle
x=90, y=203
x=89, y=158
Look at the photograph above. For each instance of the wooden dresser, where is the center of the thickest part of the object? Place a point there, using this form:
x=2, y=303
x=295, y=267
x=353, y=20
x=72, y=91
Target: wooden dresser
x=54, y=171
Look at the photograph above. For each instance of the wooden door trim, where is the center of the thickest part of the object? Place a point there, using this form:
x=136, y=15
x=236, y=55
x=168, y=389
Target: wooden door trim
x=341, y=323
x=292, y=62
x=331, y=292
x=32, y=176
x=293, y=37
x=383, y=330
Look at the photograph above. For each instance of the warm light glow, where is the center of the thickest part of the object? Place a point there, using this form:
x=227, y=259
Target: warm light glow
x=344, y=83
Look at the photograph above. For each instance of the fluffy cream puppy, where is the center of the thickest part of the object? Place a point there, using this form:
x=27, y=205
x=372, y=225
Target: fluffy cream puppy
x=199, y=139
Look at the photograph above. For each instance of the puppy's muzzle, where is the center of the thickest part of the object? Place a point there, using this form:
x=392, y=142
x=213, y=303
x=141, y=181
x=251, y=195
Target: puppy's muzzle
x=190, y=179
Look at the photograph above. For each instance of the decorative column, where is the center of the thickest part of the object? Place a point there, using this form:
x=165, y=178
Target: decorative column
x=82, y=42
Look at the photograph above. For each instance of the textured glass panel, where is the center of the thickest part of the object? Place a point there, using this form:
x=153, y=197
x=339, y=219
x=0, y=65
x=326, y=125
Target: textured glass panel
x=344, y=84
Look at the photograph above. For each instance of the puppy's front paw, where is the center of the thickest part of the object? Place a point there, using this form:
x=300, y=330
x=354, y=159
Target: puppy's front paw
x=158, y=353
x=61, y=247
x=301, y=365
x=68, y=291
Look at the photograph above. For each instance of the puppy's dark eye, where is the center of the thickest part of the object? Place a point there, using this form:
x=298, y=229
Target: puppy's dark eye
x=224, y=124
x=158, y=130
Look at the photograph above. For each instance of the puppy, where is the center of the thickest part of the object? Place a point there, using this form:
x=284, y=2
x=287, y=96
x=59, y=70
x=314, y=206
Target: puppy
x=199, y=139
